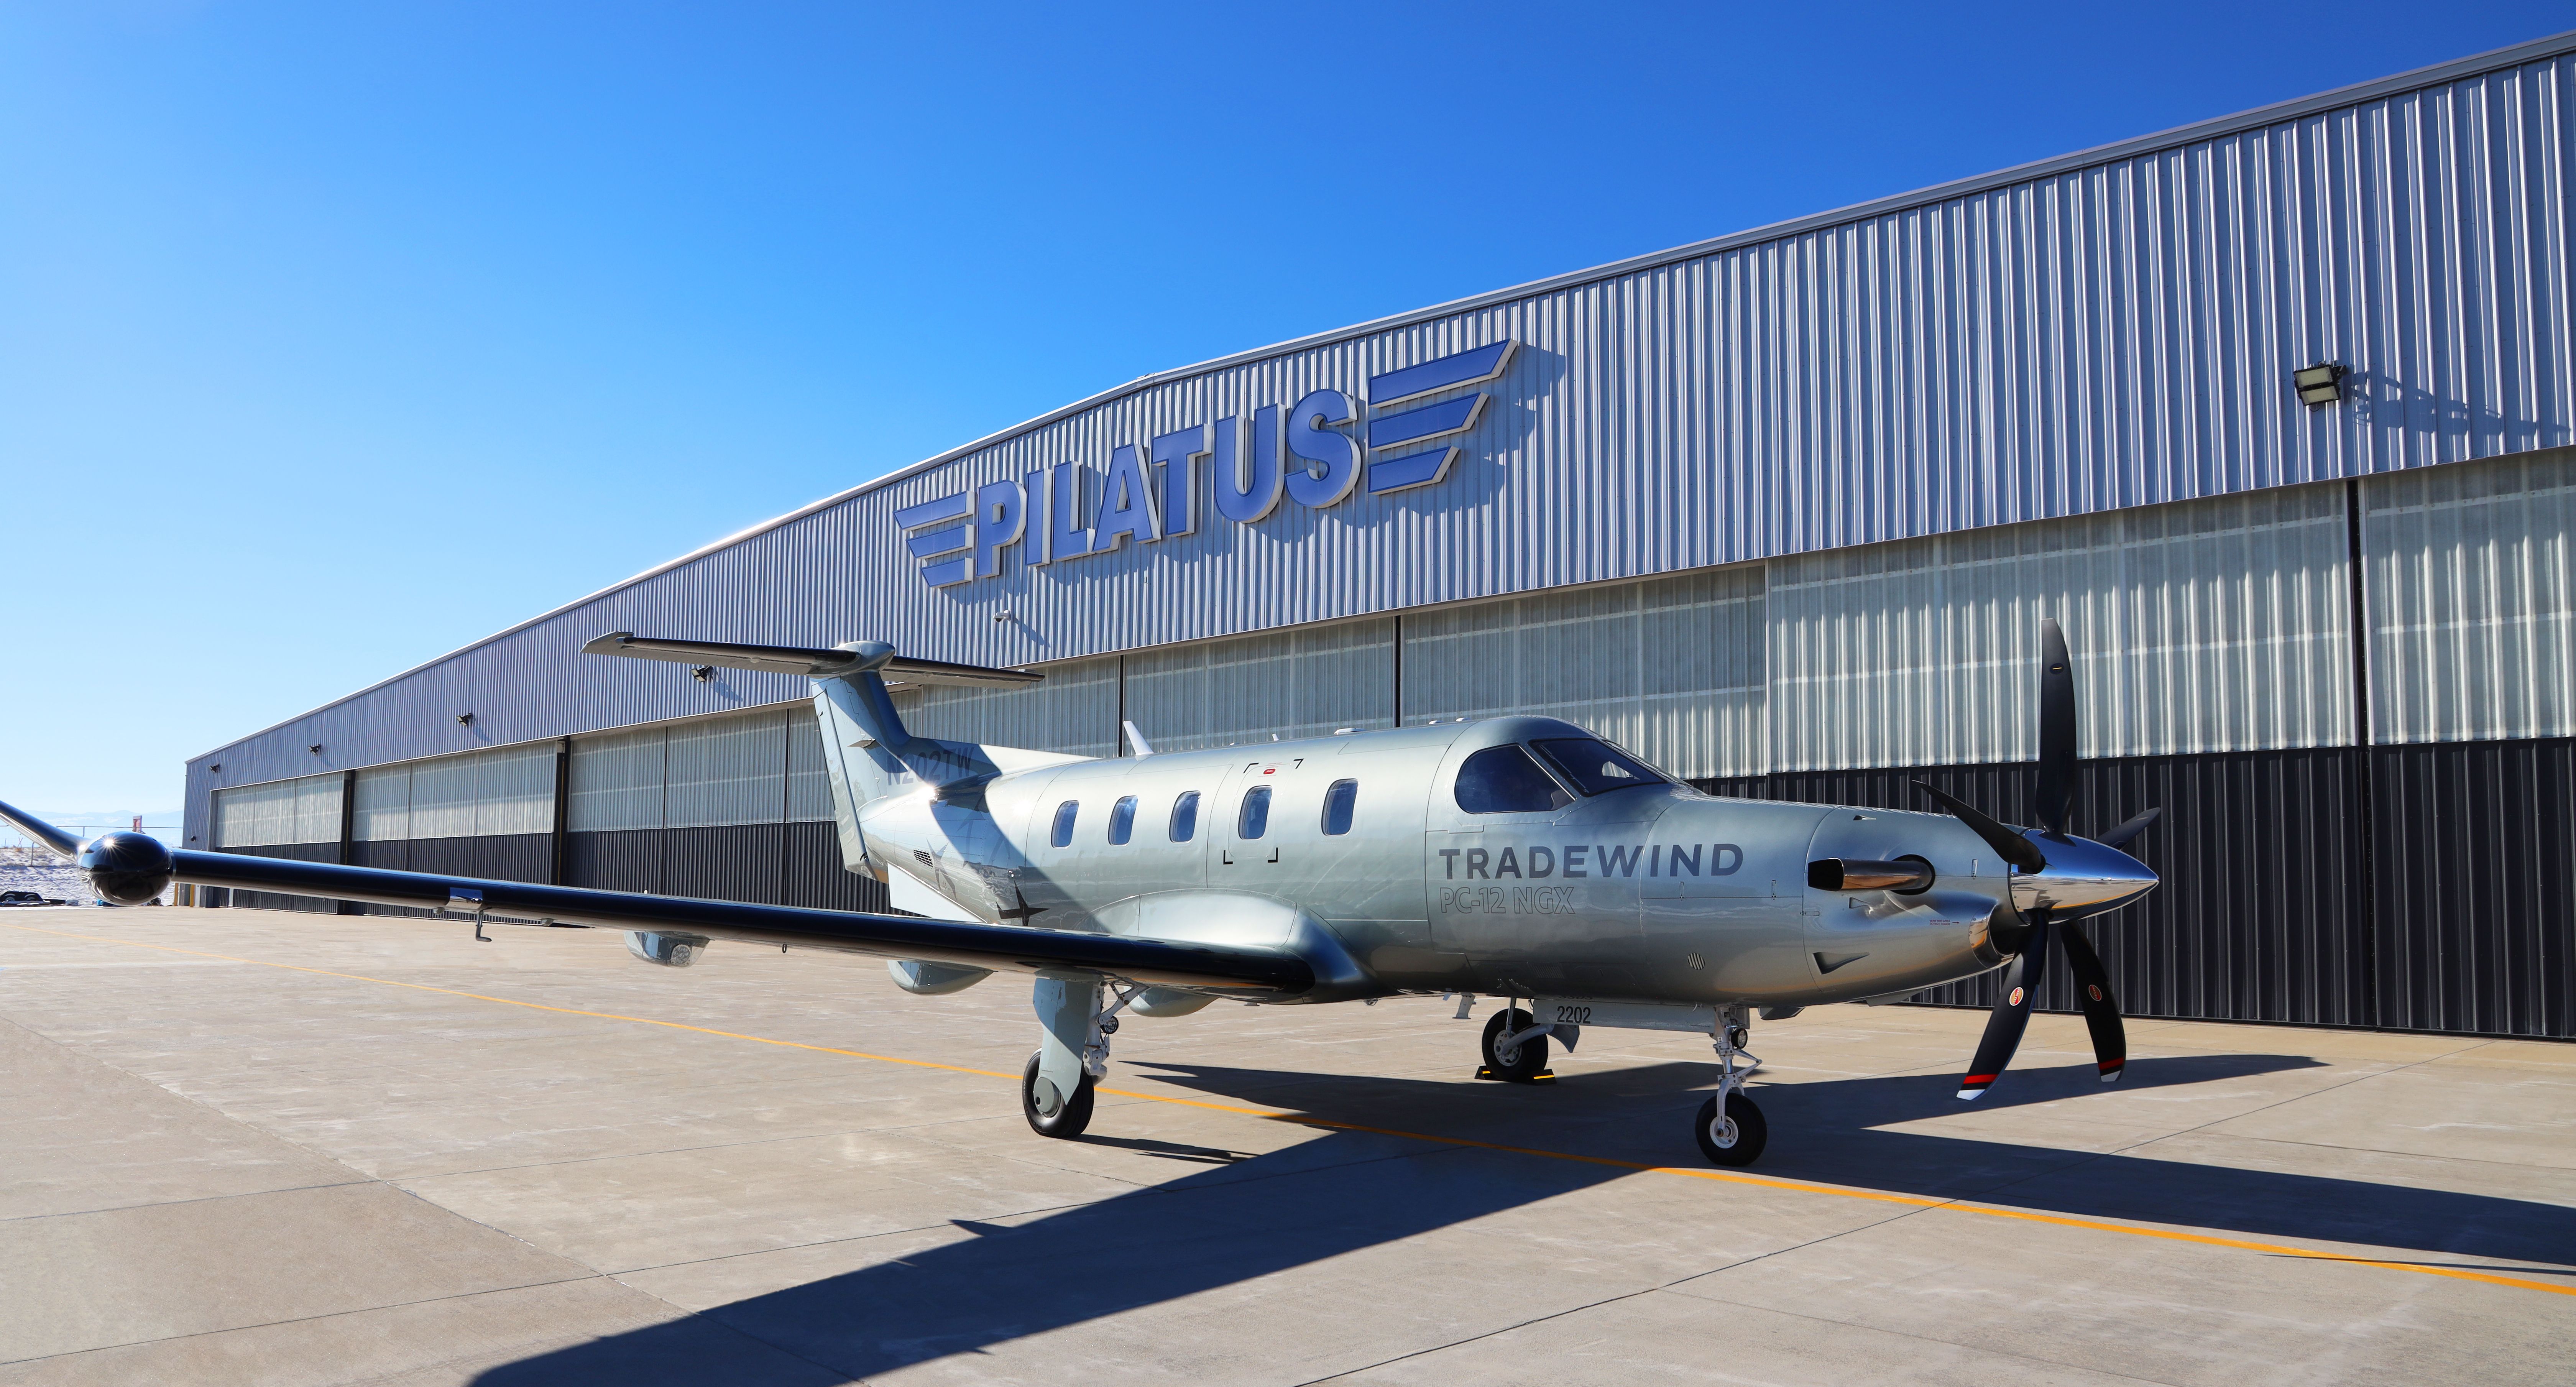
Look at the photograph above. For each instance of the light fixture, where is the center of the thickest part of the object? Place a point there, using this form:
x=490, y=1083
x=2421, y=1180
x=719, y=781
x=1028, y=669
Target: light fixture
x=703, y=673
x=2321, y=384
x=465, y=719
x=215, y=769
x=316, y=748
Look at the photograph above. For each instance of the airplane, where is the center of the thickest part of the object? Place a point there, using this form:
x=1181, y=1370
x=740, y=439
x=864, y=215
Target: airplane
x=1520, y=858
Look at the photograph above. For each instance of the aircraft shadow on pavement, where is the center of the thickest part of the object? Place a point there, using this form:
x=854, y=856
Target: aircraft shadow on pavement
x=1241, y=1216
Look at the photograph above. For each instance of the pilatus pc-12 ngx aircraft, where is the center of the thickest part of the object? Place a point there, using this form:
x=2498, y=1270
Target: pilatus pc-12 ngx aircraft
x=1514, y=857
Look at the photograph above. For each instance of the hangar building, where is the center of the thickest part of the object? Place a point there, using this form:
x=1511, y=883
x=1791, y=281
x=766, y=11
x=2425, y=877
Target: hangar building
x=2274, y=412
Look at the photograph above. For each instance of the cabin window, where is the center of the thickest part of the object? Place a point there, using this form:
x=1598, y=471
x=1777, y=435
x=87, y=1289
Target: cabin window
x=1063, y=835
x=1595, y=766
x=1343, y=797
x=1504, y=780
x=1122, y=819
x=1185, y=817
x=1253, y=819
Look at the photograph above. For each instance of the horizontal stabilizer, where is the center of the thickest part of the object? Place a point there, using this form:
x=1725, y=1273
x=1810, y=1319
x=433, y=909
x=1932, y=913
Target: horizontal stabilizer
x=812, y=664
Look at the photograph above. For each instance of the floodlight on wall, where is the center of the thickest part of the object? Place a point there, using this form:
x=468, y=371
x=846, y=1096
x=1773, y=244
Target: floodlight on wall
x=2321, y=384
x=465, y=719
x=316, y=748
x=703, y=673
x=215, y=769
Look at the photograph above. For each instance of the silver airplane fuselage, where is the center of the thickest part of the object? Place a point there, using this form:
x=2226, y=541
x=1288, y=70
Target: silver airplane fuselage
x=1653, y=893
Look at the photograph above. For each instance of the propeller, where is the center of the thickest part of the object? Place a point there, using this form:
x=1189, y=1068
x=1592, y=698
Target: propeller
x=2059, y=874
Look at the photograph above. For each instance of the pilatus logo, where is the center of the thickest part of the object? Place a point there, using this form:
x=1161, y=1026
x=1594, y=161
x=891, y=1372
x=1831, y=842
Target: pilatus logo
x=1152, y=491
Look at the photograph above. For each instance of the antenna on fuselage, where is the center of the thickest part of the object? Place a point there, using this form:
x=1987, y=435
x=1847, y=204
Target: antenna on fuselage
x=1137, y=740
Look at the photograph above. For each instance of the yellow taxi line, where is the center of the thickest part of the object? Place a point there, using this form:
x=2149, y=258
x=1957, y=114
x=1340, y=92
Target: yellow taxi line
x=1328, y=1124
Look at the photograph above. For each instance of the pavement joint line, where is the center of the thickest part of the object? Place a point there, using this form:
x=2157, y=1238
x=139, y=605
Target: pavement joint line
x=1328, y=1124
x=326, y=1314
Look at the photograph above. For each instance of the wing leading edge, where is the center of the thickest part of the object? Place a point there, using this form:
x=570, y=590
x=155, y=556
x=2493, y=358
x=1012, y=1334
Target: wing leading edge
x=1249, y=972
x=1006, y=948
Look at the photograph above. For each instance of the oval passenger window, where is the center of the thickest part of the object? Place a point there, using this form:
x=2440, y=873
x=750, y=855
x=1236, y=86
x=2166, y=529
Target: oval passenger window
x=1254, y=820
x=1338, y=803
x=1063, y=835
x=1122, y=819
x=1504, y=780
x=1185, y=817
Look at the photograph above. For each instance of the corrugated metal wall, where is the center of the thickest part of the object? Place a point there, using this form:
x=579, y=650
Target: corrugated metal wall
x=2218, y=625
x=303, y=810
x=2473, y=601
x=2099, y=332
x=1306, y=683
x=1673, y=668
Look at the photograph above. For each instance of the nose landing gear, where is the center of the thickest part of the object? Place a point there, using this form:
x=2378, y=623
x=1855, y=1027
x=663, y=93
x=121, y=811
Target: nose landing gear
x=1729, y=1127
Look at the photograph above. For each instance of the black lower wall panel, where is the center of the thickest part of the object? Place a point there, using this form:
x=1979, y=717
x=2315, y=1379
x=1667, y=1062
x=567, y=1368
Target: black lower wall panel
x=739, y=862
x=2476, y=879
x=2259, y=917
x=814, y=875
x=617, y=860
x=515, y=857
x=272, y=900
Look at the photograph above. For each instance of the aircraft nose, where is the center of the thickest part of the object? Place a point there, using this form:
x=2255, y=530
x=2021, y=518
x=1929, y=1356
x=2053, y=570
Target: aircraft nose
x=2082, y=876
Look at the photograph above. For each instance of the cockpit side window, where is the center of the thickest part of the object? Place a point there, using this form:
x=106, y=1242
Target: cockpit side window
x=1595, y=766
x=1504, y=780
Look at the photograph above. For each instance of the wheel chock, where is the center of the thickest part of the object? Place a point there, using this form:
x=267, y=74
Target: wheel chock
x=1544, y=1076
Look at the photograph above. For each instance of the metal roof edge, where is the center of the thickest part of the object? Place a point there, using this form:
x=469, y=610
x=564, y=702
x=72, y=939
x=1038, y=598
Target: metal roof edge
x=2513, y=55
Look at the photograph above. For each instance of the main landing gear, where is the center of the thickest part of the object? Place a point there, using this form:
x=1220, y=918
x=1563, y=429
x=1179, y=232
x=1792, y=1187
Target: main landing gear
x=1515, y=1046
x=1072, y=1054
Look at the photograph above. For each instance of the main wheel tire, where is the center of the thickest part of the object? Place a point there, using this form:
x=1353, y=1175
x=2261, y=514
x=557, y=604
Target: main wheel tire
x=1739, y=1146
x=1067, y=1121
x=1526, y=1060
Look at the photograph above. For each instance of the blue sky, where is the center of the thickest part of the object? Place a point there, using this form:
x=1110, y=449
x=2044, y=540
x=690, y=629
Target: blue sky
x=333, y=337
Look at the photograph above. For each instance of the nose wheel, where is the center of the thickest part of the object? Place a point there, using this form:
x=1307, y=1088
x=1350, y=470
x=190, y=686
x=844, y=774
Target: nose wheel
x=1729, y=1127
x=1735, y=1137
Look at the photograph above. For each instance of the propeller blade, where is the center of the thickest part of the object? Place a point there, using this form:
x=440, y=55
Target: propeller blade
x=2011, y=1016
x=2056, y=727
x=2130, y=828
x=2011, y=846
x=2101, y=1009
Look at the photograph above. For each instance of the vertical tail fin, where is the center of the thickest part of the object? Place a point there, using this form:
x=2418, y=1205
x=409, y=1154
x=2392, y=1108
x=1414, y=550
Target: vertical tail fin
x=867, y=752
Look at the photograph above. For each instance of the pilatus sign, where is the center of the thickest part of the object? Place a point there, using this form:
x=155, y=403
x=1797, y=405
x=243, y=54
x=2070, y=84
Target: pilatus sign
x=1152, y=489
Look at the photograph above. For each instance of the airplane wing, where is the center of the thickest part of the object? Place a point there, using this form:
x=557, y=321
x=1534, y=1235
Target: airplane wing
x=1003, y=948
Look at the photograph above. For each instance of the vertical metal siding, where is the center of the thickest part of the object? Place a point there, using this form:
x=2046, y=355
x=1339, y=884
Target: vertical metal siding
x=2472, y=595
x=2205, y=626
x=1294, y=684
x=1672, y=668
x=2476, y=865
x=2093, y=336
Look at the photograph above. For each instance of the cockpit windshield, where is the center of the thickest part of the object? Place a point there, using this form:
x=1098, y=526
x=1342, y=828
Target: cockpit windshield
x=1595, y=766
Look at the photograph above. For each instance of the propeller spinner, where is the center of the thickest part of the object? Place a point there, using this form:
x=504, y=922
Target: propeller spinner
x=2057, y=880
